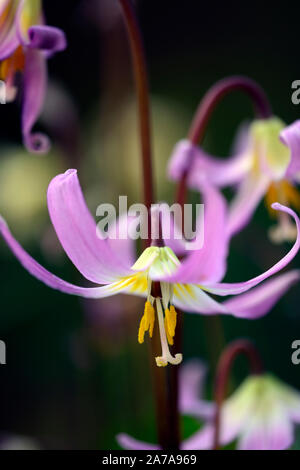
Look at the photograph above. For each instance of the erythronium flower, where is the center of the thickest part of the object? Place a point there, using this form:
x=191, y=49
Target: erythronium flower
x=184, y=284
x=25, y=45
x=266, y=164
x=260, y=414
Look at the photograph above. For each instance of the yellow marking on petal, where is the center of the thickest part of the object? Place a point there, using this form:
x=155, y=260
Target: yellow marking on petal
x=30, y=15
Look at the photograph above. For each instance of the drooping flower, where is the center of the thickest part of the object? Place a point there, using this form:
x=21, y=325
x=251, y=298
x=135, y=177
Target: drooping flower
x=157, y=274
x=266, y=164
x=261, y=414
x=25, y=45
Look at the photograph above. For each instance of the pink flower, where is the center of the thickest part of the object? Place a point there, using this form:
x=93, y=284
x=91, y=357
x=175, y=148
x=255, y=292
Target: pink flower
x=260, y=414
x=266, y=164
x=184, y=284
x=25, y=45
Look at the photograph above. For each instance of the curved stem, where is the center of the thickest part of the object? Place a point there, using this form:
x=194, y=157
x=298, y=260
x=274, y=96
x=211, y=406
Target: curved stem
x=224, y=368
x=140, y=72
x=206, y=107
x=165, y=379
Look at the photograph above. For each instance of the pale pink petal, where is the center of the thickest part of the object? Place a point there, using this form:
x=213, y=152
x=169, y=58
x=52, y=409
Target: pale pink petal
x=207, y=264
x=248, y=196
x=191, y=388
x=204, y=168
x=290, y=136
x=238, y=288
x=201, y=440
x=77, y=231
x=120, y=239
x=9, y=40
x=129, y=443
x=260, y=300
x=272, y=433
x=36, y=270
x=34, y=89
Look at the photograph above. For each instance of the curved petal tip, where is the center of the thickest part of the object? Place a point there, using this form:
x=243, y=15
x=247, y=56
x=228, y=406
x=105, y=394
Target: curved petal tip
x=37, y=143
x=47, y=38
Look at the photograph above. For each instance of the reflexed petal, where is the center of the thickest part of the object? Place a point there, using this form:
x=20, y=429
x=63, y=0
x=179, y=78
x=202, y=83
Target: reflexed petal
x=129, y=443
x=191, y=385
x=260, y=300
x=204, y=168
x=47, y=38
x=36, y=270
x=290, y=136
x=34, y=88
x=275, y=432
x=207, y=264
x=201, y=440
x=77, y=231
x=239, y=287
x=243, y=205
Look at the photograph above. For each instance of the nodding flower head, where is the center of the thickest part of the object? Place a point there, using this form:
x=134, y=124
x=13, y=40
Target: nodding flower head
x=25, y=45
x=157, y=275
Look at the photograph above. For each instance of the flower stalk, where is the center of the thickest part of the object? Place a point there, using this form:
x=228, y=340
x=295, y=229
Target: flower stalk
x=208, y=104
x=165, y=379
x=224, y=368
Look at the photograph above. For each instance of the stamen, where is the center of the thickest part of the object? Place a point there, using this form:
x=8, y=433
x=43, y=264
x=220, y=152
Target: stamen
x=147, y=322
x=169, y=336
x=141, y=334
x=166, y=357
x=171, y=317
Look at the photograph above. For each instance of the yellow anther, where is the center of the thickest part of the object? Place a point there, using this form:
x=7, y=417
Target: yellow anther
x=147, y=322
x=171, y=320
x=169, y=337
x=141, y=334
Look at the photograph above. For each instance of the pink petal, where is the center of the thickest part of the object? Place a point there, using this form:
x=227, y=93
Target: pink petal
x=192, y=376
x=201, y=440
x=77, y=231
x=260, y=300
x=34, y=88
x=129, y=443
x=244, y=203
x=238, y=288
x=204, y=168
x=207, y=264
x=290, y=136
x=36, y=270
x=123, y=247
x=273, y=433
x=46, y=38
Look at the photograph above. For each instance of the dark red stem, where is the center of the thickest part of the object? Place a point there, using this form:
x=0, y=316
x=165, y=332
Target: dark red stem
x=224, y=368
x=210, y=101
x=140, y=73
x=165, y=379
